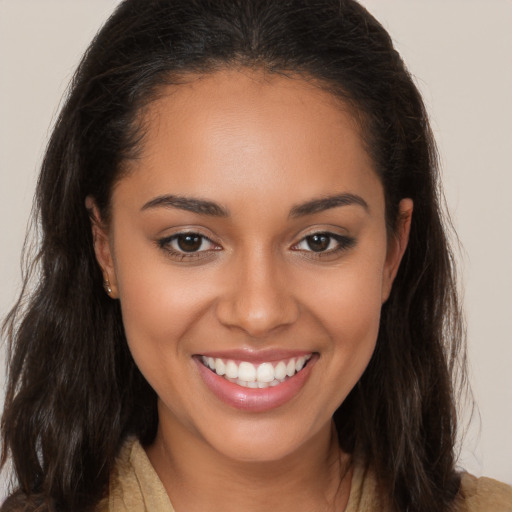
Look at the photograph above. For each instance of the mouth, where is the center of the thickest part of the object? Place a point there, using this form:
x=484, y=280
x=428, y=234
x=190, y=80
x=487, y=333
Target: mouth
x=256, y=376
x=256, y=383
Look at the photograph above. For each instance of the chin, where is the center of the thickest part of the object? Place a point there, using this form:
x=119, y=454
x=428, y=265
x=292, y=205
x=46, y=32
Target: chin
x=265, y=441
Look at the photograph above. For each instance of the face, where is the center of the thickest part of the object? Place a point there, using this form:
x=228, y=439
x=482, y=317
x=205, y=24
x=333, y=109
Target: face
x=249, y=251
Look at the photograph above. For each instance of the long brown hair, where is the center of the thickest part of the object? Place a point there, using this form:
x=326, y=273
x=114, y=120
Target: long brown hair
x=74, y=393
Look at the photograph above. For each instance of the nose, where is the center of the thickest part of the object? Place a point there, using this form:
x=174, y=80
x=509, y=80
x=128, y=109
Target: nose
x=258, y=297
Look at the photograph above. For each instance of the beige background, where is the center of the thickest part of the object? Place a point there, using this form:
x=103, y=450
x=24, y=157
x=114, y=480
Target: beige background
x=459, y=50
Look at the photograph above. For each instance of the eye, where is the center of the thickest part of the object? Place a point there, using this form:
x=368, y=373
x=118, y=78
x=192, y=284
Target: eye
x=189, y=242
x=187, y=245
x=324, y=242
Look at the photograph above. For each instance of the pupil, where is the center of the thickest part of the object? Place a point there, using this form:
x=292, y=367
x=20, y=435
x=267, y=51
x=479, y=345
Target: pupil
x=189, y=243
x=318, y=243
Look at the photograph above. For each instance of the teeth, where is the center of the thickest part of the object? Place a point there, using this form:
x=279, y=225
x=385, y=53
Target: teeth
x=248, y=375
x=280, y=371
x=247, y=372
x=231, y=370
x=290, y=368
x=220, y=367
x=265, y=373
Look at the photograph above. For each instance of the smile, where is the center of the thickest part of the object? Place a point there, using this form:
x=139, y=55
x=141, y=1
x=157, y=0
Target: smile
x=262, y=383
x=263, y=375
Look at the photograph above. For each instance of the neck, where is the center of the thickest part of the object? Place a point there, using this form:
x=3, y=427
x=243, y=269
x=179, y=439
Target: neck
x=197, y=477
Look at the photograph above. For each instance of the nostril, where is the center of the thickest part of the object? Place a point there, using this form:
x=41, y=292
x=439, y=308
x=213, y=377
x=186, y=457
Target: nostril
x=257, y=319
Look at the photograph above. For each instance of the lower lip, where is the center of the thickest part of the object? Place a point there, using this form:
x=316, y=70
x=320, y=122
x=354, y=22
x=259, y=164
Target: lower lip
x=259, y=399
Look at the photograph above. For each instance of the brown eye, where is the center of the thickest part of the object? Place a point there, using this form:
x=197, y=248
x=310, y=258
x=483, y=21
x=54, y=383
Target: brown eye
x=190, y=242
x=188, y=246
x=319, y=242
x=324, y=244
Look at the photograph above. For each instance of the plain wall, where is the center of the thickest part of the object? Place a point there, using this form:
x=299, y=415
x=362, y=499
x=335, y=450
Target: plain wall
x=458, y=50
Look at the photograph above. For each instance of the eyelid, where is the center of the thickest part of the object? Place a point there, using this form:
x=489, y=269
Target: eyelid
x=164, y=244
x=344, y=242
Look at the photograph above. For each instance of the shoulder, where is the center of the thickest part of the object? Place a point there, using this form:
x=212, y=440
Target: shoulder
x=134, y=484
x=475, y=494
x=484, y=495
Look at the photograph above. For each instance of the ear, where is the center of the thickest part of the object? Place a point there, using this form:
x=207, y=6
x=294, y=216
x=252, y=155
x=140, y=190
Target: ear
x=102, y=248
x=397, y=244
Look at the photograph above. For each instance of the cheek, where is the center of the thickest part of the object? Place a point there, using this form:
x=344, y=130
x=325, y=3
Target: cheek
x=162, y=314
x=352, y=318
x=347, y=307
x=349, y=300
x=160, y=306
x=354, y=332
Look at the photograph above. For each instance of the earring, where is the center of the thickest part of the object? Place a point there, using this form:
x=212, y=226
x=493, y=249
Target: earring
x=107, y=287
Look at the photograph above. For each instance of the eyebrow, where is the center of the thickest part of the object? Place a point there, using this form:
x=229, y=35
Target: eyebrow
x=210, y=208
x=326, y=203
x=195, y=205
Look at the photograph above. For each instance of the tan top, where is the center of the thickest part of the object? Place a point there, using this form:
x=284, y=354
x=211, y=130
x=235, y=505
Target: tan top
x=135, y=487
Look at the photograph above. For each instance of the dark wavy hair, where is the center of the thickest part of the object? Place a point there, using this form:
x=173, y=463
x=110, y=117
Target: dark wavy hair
x=74, y=392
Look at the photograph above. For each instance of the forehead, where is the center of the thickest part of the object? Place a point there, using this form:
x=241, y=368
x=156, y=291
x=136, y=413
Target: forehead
x=242, y=132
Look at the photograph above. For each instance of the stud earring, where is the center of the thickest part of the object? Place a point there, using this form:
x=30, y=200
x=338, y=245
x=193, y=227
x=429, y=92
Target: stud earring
x=107, y=287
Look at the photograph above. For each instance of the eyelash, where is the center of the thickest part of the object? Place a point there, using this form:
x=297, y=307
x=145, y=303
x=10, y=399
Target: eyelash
x=343, y=243
x=180, y=255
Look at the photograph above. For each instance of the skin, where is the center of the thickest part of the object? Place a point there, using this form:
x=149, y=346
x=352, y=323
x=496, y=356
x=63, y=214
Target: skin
x=258, y=146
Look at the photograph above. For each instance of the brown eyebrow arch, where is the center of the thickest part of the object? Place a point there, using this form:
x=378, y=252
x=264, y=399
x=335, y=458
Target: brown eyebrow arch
x=190, y=204
x=326, y=203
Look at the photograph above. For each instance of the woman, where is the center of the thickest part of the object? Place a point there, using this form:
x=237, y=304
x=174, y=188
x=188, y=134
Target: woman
x=241, y=241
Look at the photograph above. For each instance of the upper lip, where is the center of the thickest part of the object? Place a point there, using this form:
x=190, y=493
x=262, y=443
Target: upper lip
x=255, y=356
